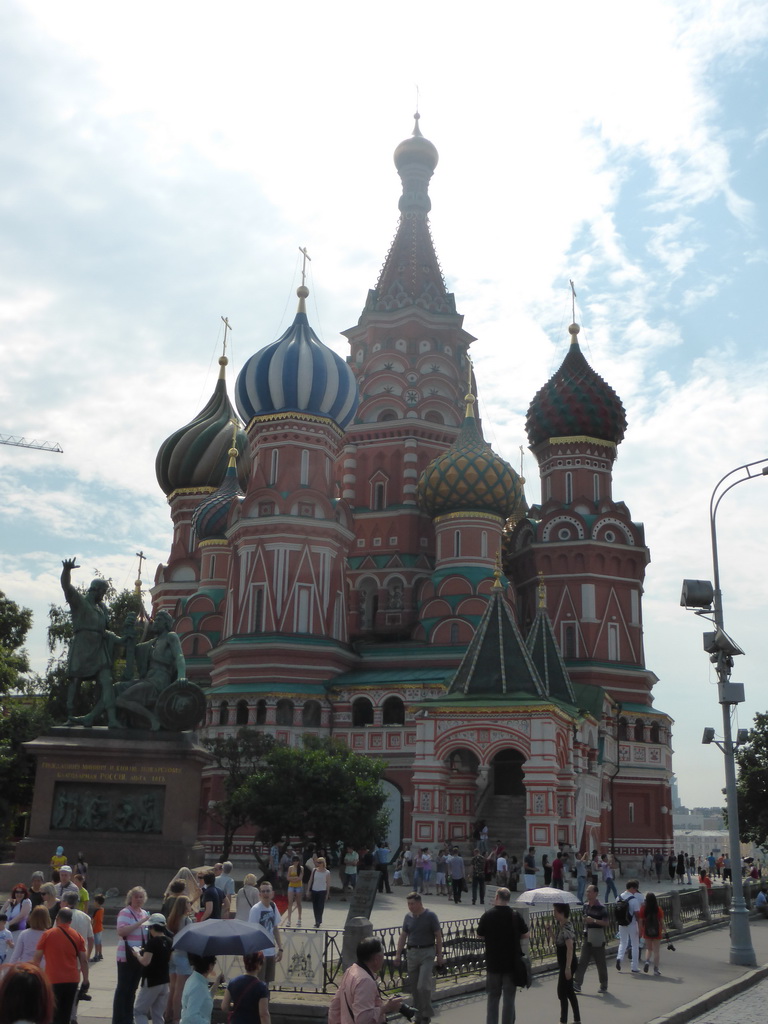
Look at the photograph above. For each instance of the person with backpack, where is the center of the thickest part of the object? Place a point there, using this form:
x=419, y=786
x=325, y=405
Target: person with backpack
x=651, y=921
x=626, y=908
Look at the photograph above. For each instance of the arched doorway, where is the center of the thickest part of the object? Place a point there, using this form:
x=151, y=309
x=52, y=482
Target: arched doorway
x=508, y=773
x=503, y=804
x=394, y=806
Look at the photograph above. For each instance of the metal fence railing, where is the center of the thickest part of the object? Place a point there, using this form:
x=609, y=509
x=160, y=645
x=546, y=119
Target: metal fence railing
x=464, y=951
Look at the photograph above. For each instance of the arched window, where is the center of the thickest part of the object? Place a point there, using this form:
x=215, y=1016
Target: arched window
x=261, y=712
x=241, y=713
x=304, y=468
x=386, y=415
x=596, y=484
x=568, y=488
x=275, y=461
x=434, y=417
x=362, y=712
x=284, y=713
x=223, y=713
x=623, y=729
x=639, y=731
x=655, y=733
x=457, y=544
x=379, y=496
x=393, y=711
x=570, y=649
x=310, y=714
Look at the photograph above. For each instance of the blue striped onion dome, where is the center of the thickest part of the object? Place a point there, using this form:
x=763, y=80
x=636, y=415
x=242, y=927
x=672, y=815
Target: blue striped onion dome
x=209, y=520
x=195, y=456
x=297, y=374
x=470, y=477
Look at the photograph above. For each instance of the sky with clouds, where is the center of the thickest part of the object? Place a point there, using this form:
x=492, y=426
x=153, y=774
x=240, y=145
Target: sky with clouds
x=160, y=164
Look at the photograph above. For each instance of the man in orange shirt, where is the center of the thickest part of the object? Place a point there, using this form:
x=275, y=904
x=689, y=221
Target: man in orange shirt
x=65, y=959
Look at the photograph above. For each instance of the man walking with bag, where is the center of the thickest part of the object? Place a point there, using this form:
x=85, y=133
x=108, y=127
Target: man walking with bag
x=593, y=947
x=503, y=930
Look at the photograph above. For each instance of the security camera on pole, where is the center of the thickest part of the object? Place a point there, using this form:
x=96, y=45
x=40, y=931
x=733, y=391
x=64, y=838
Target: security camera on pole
x=700, y=596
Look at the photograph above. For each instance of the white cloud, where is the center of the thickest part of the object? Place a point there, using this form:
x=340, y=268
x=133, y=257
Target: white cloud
x=154, y=180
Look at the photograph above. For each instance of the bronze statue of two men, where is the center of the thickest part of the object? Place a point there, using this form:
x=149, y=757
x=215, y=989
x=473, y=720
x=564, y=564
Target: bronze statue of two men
x=154, y=692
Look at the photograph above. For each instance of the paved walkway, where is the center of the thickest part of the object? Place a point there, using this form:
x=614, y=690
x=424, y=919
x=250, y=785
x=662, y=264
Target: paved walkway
x=694, y=978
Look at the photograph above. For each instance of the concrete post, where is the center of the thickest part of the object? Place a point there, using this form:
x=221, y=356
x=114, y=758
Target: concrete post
x=677, y=921
x=355, y=930
x=706, y=914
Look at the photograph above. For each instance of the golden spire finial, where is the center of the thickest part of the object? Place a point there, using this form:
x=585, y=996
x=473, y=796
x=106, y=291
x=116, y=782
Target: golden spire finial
x=469, y=398
x=233, y=452
x=542, y=591
x=497, y=571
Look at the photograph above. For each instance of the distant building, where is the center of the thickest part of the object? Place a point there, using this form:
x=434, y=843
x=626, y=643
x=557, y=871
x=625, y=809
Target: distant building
x=358, y=562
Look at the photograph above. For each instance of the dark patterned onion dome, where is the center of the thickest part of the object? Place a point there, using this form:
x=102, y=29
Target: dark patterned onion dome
x=576, y=402
x=298, y=374
x=470, y=477
x=209, y=520
x=195, y=456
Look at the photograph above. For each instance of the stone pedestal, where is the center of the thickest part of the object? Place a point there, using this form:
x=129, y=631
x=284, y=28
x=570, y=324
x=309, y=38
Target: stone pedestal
x=128, y=799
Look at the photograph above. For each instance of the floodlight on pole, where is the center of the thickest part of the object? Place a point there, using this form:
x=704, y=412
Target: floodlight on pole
x=700, y=596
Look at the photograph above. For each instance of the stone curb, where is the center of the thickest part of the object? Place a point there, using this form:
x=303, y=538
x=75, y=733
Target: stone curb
x=710, y=1000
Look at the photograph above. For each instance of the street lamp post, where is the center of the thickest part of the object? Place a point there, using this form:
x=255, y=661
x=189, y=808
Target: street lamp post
x=722, y=651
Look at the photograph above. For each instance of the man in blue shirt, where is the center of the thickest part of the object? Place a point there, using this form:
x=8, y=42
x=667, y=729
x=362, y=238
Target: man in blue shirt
x=381, y=859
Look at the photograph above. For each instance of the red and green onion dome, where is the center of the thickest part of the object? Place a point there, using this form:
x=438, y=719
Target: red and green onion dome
x=209, y=520
x=470, y=477
x=195, y=457
x=576, y=402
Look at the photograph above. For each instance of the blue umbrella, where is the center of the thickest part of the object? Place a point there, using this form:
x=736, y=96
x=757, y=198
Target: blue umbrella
x=214, y=937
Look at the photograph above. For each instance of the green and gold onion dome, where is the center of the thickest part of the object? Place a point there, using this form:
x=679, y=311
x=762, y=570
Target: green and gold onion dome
x=196, y=456
x=470, y=477
x=576, y=402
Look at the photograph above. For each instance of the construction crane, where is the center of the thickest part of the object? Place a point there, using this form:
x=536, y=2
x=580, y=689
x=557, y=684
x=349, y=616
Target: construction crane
x=22, y=442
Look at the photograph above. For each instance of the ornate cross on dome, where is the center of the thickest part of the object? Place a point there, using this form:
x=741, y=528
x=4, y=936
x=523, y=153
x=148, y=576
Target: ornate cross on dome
x=142, y=558
x=573, y=303
x=227, y=327
x=306, y=256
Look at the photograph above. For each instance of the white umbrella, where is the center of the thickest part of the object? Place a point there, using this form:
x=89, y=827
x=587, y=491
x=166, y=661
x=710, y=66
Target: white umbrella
x=546, y=896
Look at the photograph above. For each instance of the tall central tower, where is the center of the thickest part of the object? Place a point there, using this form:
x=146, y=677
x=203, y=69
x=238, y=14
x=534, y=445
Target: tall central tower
x=409, y=353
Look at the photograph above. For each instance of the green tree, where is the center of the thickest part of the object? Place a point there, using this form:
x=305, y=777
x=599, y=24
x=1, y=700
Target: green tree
x=238, y=757
x=321, y=793
x=752, y=761
x=15, y=623
x=21, y=719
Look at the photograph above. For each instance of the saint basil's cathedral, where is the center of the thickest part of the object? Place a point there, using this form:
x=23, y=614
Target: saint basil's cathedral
x=357, y=562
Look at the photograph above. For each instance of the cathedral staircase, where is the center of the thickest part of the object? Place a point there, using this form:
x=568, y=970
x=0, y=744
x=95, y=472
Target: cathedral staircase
x=505, y=816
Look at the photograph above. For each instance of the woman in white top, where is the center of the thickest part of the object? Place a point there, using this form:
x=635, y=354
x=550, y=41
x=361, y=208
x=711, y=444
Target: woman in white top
x=318, y=889
x=26, y=944
x=246, y=898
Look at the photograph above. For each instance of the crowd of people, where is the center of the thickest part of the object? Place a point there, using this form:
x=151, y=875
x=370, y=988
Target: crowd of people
x=49, y=942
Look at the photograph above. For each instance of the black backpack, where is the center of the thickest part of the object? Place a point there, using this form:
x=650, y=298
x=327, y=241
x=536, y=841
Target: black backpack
x=623, y=913
x=652, y=926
